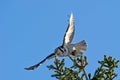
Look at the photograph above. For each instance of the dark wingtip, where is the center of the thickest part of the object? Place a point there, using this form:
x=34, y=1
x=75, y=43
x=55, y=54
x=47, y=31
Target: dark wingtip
x=29, y=68
x=32, y=67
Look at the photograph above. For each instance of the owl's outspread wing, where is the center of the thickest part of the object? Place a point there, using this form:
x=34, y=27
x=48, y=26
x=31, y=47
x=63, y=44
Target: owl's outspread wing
x=68, y=37
x=41, y=62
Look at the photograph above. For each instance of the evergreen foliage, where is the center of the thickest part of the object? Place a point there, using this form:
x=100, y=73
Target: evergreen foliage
x=77, y=71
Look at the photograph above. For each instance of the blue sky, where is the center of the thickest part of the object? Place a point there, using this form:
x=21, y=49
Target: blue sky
x=31, y=29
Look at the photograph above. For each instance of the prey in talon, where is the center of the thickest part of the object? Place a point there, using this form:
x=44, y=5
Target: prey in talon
x=67, y=48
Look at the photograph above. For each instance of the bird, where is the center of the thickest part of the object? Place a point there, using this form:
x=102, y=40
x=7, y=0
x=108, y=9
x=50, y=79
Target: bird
x=67, y=48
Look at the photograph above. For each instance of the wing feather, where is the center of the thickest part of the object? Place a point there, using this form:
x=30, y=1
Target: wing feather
x=68, y=37
x=41, y=62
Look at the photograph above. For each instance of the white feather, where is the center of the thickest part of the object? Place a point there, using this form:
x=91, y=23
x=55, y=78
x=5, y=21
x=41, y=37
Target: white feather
x=70, y=31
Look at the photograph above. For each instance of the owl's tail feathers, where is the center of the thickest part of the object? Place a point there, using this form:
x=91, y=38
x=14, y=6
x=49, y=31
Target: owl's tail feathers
x=81, y=46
